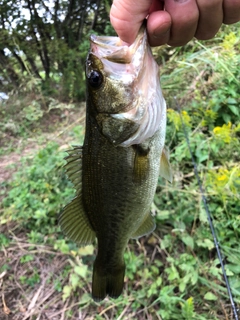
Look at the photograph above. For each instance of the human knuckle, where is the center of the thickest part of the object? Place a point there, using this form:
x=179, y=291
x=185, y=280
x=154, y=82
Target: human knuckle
x=208, y=5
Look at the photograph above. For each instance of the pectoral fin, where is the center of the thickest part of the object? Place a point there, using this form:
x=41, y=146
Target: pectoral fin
x=141, y=163
x=165, y=168
x=147, y=226
x=75, y=224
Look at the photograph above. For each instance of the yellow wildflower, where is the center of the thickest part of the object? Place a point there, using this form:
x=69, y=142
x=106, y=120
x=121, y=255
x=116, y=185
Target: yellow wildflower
x=224, y=132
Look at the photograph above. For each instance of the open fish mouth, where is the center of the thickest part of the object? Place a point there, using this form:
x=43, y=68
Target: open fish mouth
x=120, y=61
x=115, y=50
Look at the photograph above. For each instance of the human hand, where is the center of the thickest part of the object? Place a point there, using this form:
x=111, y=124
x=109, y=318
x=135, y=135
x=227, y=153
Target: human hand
x=174, y=22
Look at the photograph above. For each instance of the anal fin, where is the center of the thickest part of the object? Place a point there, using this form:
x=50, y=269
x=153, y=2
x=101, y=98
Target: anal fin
x=75, y=224
x=147, y=226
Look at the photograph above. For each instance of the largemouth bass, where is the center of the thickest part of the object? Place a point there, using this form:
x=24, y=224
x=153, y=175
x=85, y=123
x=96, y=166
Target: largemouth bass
x=115, y=172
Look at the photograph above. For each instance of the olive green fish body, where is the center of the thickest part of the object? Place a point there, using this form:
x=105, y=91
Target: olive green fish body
x=116, y=202
x=109, y=172
x=116, y=171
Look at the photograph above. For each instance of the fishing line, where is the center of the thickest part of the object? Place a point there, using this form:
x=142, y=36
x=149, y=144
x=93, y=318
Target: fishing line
x=216, y=243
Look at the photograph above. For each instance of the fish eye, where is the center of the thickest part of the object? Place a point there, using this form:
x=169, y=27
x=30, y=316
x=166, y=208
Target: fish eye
x=95, y=79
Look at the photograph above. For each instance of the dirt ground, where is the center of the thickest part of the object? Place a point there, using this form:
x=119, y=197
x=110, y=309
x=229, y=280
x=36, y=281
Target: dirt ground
x=20, y=301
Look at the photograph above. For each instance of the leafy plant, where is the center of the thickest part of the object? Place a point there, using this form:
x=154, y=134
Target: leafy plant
x=37, y=192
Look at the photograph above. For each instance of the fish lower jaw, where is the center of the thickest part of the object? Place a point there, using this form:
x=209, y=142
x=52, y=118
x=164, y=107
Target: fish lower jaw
x=135, y=114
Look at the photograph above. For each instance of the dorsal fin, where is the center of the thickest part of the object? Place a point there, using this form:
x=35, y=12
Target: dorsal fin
x=73, y=167
x=73, y=219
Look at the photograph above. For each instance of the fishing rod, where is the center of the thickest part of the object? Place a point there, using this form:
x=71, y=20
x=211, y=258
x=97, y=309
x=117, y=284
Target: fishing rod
x=206, y=207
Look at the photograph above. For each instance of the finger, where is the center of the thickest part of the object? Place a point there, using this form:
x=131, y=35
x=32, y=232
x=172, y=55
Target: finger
x=210, y=18
x=127, y=17
x=158, y=27
x=231, y=11
x=156, y=5
x=184, y=15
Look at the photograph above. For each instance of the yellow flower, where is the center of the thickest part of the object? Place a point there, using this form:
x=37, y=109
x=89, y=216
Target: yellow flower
x=229, y=41
x=174, y=117
x=222, y=178
x=224, y=132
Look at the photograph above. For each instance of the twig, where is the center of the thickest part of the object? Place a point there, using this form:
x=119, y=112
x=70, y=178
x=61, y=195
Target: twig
x=35, y=297
x=31, y=312
x=2, y=275
x=124, y=311
x=65, y=309
x=110, y=307
x=6, y=310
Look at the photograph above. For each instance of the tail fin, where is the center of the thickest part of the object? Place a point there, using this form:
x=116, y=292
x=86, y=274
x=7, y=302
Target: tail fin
x=107, y=282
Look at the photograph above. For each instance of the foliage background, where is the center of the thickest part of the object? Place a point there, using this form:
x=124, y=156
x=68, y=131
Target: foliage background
x=173, y=273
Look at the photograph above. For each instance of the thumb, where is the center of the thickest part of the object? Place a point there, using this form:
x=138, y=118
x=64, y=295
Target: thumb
x=127, y=16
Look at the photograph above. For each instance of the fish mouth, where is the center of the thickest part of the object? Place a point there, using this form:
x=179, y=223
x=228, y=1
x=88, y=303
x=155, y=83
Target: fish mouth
x=113, y=49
